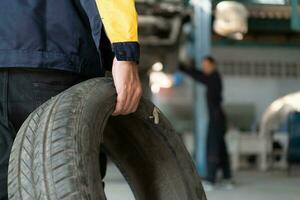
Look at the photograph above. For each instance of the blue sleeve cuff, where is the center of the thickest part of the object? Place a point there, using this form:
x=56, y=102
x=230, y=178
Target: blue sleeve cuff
x=127, y=51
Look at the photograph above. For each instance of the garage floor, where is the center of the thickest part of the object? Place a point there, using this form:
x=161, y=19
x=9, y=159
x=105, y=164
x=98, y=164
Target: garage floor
x=251, y=185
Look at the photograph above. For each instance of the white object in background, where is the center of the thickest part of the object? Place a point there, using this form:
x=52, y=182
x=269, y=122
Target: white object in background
x=157, y=67
x=248, y=143
x=261, y=143
x=276, y=114
x=159, y=79
x=231, y=20
x=278, y=111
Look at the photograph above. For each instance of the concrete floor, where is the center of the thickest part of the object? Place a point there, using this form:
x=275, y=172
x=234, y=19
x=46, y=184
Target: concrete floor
x=251, y=185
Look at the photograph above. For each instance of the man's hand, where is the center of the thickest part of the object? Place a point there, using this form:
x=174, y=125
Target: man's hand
x=128, y=86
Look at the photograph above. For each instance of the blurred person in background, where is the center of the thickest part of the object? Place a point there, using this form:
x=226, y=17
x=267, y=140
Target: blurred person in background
x=217, y=155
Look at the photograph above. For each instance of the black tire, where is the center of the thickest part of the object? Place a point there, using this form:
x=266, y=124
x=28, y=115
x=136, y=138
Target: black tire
x=55, y=155
x=22, y=175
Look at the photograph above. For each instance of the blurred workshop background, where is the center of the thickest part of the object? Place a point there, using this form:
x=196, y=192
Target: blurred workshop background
x=256, y=46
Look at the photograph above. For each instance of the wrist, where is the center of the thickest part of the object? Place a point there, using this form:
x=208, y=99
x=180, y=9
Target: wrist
x=127, y=63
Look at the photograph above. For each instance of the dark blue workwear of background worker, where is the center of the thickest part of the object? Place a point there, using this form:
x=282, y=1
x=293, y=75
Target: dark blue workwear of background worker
x=216, y=154
x=47, y=46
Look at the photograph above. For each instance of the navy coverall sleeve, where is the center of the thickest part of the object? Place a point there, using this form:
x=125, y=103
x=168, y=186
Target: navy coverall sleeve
x=198, y=75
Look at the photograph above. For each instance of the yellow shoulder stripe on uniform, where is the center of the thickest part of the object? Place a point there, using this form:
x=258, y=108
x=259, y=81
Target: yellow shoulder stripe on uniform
x=120, y=19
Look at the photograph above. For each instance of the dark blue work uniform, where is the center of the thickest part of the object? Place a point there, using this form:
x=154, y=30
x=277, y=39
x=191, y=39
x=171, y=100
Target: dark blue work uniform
x=217, y=155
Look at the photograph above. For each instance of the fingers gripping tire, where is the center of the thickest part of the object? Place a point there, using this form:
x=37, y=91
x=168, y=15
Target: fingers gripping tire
x=56, y=153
